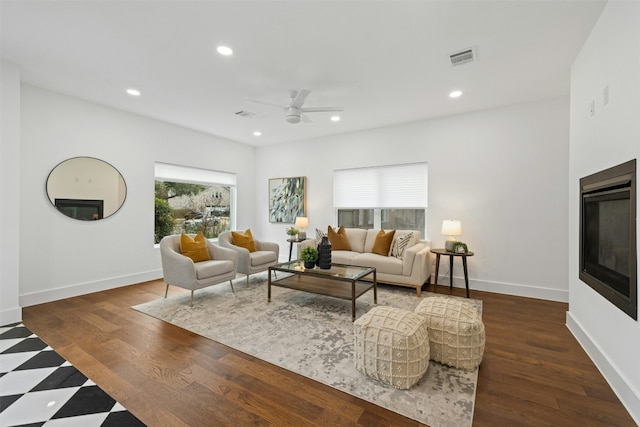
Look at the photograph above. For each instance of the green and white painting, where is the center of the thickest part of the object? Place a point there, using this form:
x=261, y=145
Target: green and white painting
x=287, y=199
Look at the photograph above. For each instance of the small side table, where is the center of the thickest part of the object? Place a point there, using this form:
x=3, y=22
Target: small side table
x=451, y=255
x=291, y=242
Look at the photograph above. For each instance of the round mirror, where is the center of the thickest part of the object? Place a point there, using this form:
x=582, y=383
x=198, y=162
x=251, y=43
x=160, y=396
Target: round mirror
x=85, y=188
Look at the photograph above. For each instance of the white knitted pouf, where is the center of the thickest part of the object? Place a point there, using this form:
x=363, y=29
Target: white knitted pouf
x=456, y=331
x=392, y=346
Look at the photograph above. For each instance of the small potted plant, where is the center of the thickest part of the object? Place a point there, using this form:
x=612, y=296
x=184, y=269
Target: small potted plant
x=292, y=232
x=309, y=255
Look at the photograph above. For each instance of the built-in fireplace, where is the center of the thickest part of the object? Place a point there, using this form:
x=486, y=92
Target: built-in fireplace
x=608, y=250
x=84, y=209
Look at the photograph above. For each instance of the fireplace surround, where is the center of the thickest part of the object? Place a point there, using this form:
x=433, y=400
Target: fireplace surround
x=608, y=249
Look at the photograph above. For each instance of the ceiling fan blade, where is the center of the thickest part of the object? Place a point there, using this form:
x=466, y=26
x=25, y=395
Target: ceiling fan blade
x=271, y=104
x=305, y=118
x=300, y=97
x=320, y=109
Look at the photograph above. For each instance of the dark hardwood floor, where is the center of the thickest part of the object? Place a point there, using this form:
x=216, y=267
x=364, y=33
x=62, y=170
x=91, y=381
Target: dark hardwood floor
x=534, y=372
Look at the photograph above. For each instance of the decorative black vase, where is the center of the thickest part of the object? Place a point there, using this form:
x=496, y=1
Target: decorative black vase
x=324, y=254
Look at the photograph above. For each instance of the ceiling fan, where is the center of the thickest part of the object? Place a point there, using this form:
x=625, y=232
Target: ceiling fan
x=294, y=112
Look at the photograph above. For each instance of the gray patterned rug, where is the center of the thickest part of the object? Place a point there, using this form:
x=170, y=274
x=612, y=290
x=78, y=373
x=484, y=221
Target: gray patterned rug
x=312, y=335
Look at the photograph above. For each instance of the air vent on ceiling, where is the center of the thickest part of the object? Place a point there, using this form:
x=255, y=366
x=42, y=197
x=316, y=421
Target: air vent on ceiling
x=245, y=114
x=463, y=56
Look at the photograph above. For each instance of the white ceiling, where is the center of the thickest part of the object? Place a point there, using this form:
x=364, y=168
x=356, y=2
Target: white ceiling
x=385, y=62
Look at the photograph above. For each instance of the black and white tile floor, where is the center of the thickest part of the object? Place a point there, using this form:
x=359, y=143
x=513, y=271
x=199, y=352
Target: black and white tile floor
x=38, y=387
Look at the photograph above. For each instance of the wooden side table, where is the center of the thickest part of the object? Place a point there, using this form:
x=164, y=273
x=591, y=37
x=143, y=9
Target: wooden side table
x=451, y=255
x=291, y=242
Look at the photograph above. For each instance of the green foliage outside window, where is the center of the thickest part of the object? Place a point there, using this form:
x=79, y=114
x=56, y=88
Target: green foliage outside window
x=164, y=222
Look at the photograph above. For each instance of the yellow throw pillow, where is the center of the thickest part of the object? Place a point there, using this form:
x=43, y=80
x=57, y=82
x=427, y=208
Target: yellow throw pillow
x=196, y=249
x=382, y=244
x=338, y=240
x=244, y=240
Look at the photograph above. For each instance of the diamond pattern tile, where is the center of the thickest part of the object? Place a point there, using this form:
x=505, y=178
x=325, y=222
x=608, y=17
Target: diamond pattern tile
x=38, y=387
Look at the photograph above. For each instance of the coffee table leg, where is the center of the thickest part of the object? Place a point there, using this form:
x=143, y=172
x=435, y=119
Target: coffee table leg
x=269, y=287
x=375, y=287
x=353, y=300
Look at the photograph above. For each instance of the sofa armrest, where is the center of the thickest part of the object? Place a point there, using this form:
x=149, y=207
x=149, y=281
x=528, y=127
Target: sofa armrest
x=416, y=260
x=177, y=268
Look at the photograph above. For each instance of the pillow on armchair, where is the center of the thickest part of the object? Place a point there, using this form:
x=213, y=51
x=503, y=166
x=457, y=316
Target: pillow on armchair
x=195, y=248
x=244, y=240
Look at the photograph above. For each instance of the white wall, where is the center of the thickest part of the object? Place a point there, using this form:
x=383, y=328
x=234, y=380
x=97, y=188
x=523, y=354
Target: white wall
x=62, y=257
x=610, y=57
x=501, y=172
x=10, y=311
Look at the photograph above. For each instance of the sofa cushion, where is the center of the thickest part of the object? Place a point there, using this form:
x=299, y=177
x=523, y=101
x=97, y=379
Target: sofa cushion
x=339, y=240
x=244, y=240
x=357, y=238
x=344, y=257
x=207, y=269
x=382, y=243
x=384, y=264
x=195, y=248
x=262, y=257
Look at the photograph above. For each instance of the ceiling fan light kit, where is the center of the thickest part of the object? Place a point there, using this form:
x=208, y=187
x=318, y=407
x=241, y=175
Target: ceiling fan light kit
x=294, y=112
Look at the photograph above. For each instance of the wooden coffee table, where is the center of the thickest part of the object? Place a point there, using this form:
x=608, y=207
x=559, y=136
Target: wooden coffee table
x=340, y=281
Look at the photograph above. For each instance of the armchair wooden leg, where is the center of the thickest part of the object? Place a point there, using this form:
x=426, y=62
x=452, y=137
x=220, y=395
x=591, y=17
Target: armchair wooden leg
x=231, y=283
x=191, y=298
x=247, y=280
x=166, y=291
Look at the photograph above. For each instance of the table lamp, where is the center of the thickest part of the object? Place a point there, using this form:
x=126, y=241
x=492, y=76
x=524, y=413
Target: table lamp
x=301, y=223
x=451, y=227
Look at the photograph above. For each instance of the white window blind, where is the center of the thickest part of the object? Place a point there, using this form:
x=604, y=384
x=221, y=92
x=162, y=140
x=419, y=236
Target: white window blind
x=175, y=173
x=396, y=186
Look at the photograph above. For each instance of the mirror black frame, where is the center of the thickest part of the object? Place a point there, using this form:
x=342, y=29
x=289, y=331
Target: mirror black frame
x=87, y=203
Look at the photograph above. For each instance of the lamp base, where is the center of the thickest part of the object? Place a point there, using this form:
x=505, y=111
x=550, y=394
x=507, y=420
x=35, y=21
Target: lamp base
x=302, y=235
x=448, y=245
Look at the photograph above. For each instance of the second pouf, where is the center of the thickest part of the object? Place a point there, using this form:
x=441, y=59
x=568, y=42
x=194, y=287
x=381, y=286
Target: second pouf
x=456, y=331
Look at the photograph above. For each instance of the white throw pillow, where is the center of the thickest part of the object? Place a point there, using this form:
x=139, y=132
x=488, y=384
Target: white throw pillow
x=400, y=245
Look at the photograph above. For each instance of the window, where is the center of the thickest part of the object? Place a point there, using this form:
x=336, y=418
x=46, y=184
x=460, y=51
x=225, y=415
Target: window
x=192, y=200
x=388, y=197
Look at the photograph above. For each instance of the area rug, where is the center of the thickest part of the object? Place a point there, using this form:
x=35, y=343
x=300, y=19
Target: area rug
x=312, y=335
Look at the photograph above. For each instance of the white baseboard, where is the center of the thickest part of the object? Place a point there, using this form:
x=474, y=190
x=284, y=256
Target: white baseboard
x=549, y=294
x=11, y=315
x=49, y=295
x=629, y=397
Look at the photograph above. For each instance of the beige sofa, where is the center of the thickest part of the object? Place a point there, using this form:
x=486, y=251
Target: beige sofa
x=412, y=270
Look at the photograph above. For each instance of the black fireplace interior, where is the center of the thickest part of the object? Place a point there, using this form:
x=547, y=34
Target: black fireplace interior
x=88, y=210
x=608, y=250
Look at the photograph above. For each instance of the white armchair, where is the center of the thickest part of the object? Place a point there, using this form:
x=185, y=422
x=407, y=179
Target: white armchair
x=264, y=257
x=181, y=271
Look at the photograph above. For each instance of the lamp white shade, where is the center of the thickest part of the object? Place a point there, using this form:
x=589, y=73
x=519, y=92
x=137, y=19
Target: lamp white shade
x=451, y=227
x=302, y=221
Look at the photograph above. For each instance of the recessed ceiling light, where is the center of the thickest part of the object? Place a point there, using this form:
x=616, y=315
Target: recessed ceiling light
x=224, y=50
x=335, y=118
x=257, y=133
x=133, y=92
x=455, y=94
